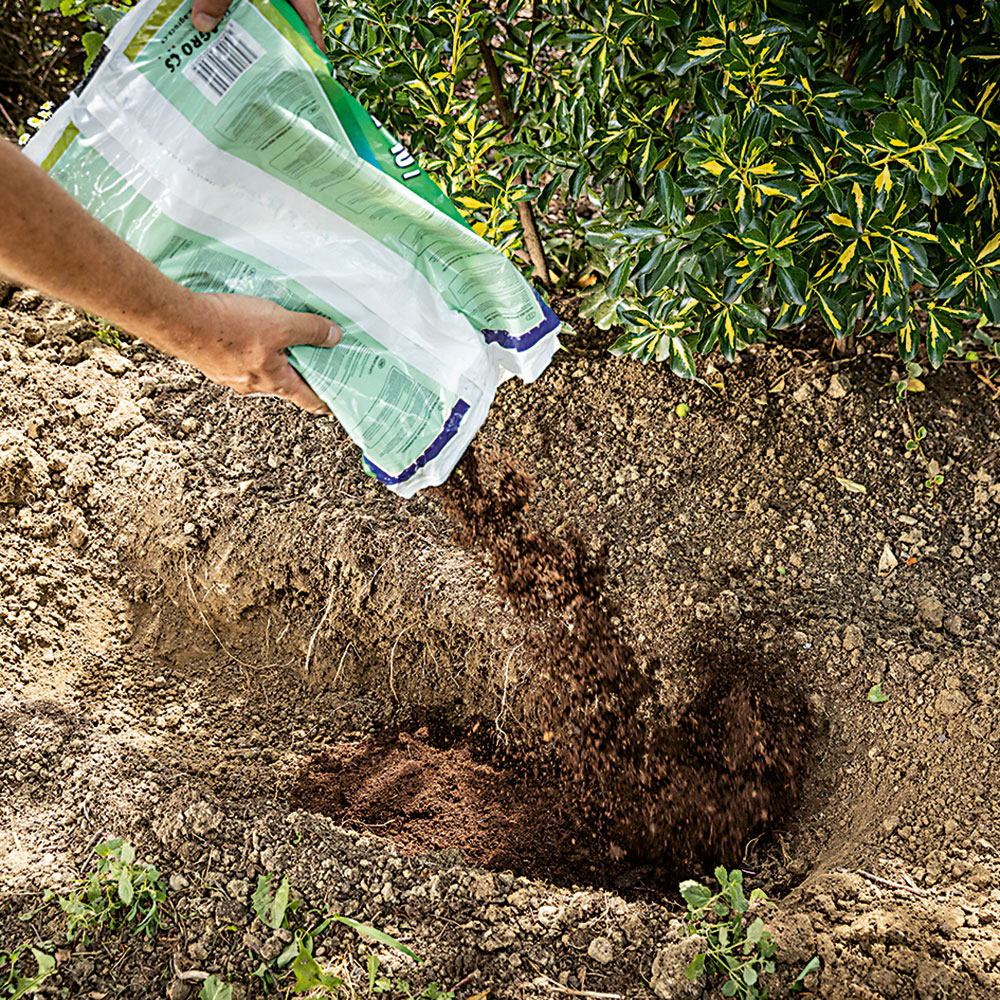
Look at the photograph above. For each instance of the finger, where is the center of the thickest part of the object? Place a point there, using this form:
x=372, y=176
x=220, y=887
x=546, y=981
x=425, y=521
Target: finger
x=311, y=330
x=289, y=384
x=206, y=14
x=309, y=13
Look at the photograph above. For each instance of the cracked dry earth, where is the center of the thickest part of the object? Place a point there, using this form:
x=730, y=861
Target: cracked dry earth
x=219, y=640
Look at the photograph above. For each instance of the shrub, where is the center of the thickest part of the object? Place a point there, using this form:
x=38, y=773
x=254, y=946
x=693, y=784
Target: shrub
x=38, y=62
x=731, y=167
x=735, y=167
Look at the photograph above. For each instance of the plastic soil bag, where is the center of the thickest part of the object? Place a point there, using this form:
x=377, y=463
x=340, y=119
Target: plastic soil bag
x=235, y=163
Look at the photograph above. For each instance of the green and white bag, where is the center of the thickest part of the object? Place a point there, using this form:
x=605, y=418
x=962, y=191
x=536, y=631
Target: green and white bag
x=236, y=163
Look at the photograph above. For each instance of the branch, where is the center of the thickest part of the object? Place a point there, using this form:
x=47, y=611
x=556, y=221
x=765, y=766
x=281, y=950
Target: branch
x=525, y=213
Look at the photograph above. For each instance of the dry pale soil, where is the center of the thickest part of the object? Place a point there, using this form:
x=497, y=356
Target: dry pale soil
x=222, y=642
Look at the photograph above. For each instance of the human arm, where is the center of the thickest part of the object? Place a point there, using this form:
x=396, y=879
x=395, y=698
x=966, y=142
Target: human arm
x=48, y=241
x=206, y=14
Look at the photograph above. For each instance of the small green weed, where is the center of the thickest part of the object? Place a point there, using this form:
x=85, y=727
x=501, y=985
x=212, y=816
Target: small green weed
x=910, y=382
x=876, y=695
x=381, y=985
x=273, y=902
x=735, y=948
x=215, y=989
x=915, y=443
x=15, y=983
x=109, y=334
x=799, y=983
x=119, y=893
x=272, y=905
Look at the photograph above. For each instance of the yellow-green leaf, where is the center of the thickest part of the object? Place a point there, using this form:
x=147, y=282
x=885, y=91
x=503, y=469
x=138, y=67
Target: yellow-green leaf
x=706, y=45
x=844, y=260
x=840, y=220
x=883, y=182
x=859, y=198
x=990, y=248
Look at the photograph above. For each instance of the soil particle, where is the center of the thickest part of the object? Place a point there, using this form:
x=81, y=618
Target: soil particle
x=853, y=638
x=931, y=611
x=23, y=472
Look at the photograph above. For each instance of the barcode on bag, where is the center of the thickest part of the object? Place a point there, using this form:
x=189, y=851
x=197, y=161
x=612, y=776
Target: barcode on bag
x=224, y=61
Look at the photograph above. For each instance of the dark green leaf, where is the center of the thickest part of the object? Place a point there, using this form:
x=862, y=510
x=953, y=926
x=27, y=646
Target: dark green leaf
x=694, y=894
x=792, y=284
x=891, y=131
x=695, y=969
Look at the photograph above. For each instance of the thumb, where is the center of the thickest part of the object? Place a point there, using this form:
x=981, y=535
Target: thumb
x=316, y=331
x=206, y=14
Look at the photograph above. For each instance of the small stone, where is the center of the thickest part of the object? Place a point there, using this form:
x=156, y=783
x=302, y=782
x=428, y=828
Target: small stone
x=78, y=534
x=189, y=425
x=33, y=333
x=950, y=703
x=950, y=827
x=887, y=561
x=667, y=977
x=107, y=357
x=853, y=638
x=125, y=417
x=238, y=889
x=178, y=882
x=601, y=950
x=179, y=990
x=953, y=625
x=59, y=459
x=272, y=947
x=79, y=473
x=484, y=886
x=729, y=606
x=838, y=387
x=931, y=611
x=23, y=472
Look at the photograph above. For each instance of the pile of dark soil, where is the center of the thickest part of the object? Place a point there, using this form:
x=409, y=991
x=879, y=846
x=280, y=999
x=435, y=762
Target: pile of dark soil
x=426, y=794
x=727, y=769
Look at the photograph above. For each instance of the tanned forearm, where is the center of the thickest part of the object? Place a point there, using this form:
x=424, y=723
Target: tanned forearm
x=48, y=241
